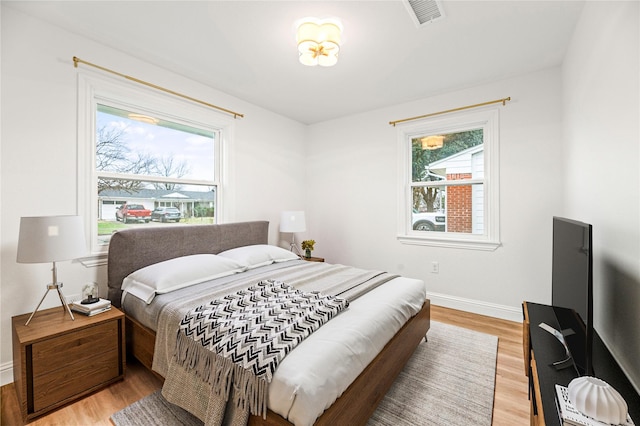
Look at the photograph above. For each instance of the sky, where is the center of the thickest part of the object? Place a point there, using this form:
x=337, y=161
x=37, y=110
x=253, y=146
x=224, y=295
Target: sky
x=183, y=146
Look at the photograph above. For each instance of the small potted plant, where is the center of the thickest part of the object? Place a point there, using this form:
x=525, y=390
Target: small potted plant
x=307, y=246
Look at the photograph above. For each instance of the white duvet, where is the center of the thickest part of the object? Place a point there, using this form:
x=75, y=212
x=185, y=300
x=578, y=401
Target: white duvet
x=323, y=366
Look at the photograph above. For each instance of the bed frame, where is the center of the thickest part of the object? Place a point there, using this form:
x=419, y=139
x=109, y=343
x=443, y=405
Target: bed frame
x=135, y=248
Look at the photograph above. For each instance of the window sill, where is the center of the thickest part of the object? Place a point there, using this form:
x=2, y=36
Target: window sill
x=94, y=260
x=434, y=241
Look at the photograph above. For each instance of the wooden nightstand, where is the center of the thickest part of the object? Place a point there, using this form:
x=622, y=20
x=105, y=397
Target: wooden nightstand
x=312, y=259
x=57, y=360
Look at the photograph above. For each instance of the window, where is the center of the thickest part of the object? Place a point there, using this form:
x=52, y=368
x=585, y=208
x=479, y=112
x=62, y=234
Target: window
x=140, y=151
x=449, y=181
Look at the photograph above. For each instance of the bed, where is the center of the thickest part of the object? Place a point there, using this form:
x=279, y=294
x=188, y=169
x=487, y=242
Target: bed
x=133, y=249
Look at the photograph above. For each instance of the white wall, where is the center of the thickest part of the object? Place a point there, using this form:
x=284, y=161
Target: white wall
x=39, y=147
x=344, y=172
x=601, y=84
x=353, y=192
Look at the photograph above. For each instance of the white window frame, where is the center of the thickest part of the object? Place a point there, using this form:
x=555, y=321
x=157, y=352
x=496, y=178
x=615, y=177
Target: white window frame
x=94, y=89
x=488, y=120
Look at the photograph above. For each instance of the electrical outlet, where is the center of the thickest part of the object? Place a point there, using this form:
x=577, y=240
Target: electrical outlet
x=435, y=267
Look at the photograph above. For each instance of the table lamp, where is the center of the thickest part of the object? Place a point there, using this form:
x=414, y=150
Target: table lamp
x=51, y=239
x=293, y=221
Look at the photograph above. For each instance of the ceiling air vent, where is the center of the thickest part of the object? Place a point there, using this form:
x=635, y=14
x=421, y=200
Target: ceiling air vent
x=424, y=11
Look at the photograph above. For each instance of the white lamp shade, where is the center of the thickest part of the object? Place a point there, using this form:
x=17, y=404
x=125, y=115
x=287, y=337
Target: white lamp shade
x=50, y=239
x=292, y=221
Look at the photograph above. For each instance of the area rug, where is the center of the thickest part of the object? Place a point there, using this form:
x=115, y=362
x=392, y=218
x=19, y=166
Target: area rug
x=449, y=380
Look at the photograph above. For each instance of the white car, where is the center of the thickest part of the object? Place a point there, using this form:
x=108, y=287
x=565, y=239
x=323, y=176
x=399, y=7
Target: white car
x=429, y=221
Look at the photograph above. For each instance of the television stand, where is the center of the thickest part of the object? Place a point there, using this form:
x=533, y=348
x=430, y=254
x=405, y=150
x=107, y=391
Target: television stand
x=541, y=350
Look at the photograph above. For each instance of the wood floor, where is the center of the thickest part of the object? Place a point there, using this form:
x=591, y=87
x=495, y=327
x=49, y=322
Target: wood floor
x=511, y=405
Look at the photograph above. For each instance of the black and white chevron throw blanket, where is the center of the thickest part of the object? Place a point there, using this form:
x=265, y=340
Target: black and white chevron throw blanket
x=239, y=340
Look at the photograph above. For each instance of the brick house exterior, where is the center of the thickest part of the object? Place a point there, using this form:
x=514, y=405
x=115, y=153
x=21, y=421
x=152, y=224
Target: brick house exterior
x=459, y=205
x=464, y=203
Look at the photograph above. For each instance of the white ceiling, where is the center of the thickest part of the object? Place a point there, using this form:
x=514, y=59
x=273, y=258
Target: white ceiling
x=247, y=48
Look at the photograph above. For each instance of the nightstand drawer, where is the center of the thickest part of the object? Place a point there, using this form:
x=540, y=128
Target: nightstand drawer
x=57, y=360
x=90, y=359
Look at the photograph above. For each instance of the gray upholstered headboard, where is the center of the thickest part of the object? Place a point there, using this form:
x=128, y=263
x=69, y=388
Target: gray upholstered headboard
x=132, y=249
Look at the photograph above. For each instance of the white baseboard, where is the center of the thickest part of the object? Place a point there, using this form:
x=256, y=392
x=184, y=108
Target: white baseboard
x=6, y=373
x=477, y=307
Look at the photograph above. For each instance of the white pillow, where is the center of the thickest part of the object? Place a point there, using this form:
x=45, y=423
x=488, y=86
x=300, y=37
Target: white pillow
x=258, y=255
x=173, y=274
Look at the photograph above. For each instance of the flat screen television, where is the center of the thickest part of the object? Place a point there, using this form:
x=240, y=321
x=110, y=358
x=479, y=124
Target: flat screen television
x=572, y=288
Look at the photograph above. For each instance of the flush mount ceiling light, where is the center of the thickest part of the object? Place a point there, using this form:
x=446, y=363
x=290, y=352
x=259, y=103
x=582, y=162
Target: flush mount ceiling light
x=432, y=142
x=318, y=41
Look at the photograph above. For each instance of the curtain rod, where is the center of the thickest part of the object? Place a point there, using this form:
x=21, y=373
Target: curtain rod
x=503, y=101
x=77, y=60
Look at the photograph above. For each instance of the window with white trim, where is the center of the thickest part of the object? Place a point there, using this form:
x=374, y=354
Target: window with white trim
x=146, y=159
x=449, y=171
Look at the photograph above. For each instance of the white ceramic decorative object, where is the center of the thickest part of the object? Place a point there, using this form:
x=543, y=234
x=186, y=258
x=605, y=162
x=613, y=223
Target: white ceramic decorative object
x=597, y=399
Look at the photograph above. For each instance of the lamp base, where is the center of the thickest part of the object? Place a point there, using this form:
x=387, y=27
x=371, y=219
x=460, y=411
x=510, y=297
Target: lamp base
x=293, y=247
x=63, y=300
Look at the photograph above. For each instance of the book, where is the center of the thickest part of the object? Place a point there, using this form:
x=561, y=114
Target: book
x=569, y=415
x=91, y=307
x=94, y=312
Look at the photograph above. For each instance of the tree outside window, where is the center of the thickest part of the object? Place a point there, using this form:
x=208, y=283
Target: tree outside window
x=454, y=158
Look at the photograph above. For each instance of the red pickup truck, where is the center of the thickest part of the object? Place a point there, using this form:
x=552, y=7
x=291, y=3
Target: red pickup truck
x=133, y=213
